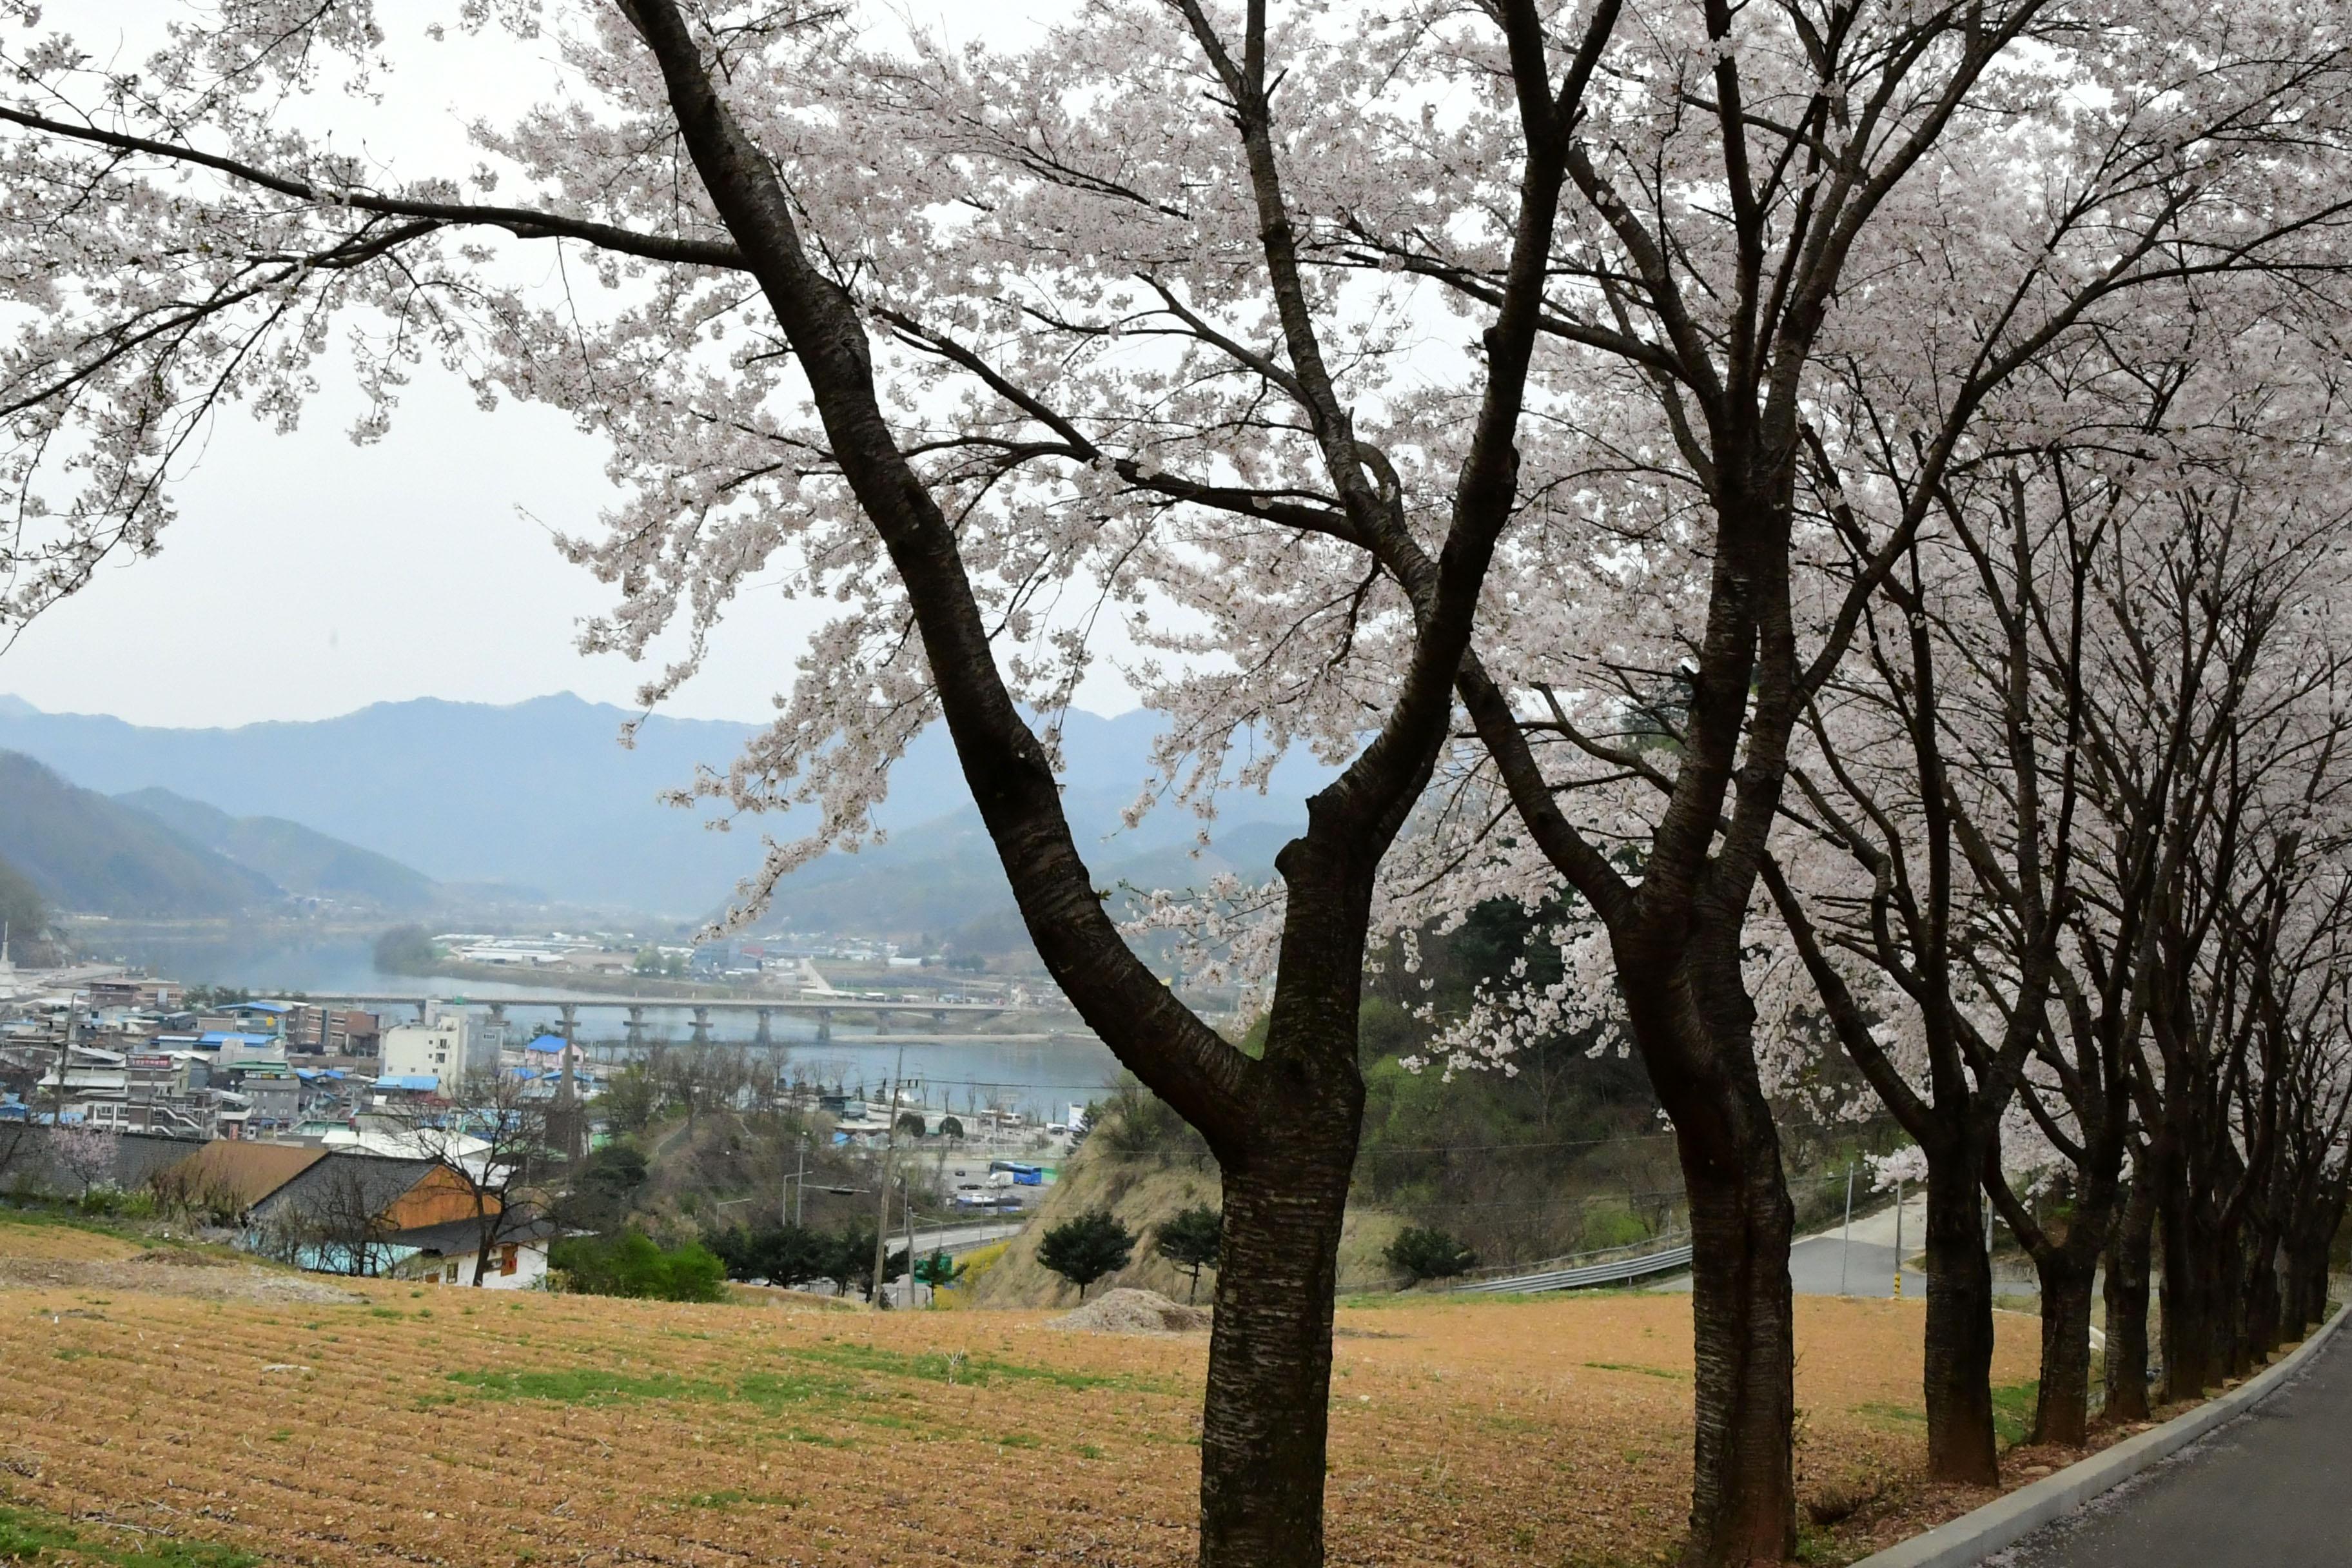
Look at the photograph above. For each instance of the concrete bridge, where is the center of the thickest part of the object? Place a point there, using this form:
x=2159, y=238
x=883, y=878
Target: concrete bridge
x=567, y=1005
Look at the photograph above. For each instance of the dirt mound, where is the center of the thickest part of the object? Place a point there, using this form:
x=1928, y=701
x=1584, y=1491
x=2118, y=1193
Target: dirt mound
x=1125, y=1311
x=181, y=1258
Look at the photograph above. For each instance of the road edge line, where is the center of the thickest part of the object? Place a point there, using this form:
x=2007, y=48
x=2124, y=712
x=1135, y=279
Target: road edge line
x=2008, y=1520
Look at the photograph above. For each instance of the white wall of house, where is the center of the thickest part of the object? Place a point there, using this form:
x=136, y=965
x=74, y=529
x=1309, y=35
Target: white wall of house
x=530, y=1268
x=448, y=1048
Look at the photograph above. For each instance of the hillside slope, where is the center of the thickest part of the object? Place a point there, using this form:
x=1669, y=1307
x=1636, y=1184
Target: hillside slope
x=22, y=911
x=90, y=855
x=1144, y=1192
x=298, y=859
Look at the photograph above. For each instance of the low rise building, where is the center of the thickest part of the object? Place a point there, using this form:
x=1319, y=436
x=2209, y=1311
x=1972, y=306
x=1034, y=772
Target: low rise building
x=448, y=1046
x=333, y=1031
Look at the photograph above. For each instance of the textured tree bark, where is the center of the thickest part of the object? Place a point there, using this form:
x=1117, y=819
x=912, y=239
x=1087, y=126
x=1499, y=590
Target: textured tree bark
x=1743, y=1498
x=2190, y=1366
x=1958, y=1374
x=1269, y=1388
x=1692, y=1020
x=2261, y=1295
x=2129, y=1256
x=2061, y=1413
x=2225, y=1273
x=2310, y=1238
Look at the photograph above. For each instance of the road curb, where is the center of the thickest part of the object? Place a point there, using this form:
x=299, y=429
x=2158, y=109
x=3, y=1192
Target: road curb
x=2003, y=1522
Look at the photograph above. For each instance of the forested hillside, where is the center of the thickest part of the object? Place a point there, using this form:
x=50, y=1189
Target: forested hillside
x=90, y=855
x=297, y=858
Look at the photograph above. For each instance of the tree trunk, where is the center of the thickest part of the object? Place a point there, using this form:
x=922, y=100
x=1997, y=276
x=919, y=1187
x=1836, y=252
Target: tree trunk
x=2260, y=1295
x=2189, y=1366
x=1694, y=1022
x=2311, y=1276
x=1961, y=1444
x=2063, y=1412
x=2129, y=1256
x=486, y=1229
x=1267, y=1410
x=2310, y=1236
x=2226, y=1283
x=1743, y=1497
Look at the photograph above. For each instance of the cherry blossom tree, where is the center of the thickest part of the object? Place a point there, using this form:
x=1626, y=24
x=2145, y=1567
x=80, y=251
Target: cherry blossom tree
x=87, y=1151
x=940, y=337
x=1638, y=697
x=1375, y=369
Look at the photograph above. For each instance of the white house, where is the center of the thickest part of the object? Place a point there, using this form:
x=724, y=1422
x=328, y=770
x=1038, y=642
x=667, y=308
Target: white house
x=448, y=1046
x=448, y=1255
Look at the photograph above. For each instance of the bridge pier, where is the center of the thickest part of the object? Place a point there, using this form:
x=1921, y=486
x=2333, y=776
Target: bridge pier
x=636, y=1027
x=825, y=1023
x=764, y=1036
x=702, y=1026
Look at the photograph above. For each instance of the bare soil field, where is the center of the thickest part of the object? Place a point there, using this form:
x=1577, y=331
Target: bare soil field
x=485, y=1429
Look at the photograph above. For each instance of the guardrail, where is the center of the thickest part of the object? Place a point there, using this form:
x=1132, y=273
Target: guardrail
x=1665, y=1261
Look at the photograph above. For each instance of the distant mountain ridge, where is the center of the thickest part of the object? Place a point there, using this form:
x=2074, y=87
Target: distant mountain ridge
x=295, y=857
x=539, y=794
x=90, y=855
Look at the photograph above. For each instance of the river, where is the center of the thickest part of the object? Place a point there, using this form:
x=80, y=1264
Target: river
x=1040, y=1075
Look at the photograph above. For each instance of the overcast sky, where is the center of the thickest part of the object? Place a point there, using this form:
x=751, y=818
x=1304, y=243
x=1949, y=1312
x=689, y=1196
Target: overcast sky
x=307, y=576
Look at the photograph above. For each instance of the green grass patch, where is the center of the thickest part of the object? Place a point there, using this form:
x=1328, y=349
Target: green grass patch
x=774, y=1391
x=723, y=1500
x=1667, y=1373
x=1886, y=1414
x=818, y=1439
x=33, y=1535
x=978, y=1371
x=30, y=1211
x=2012, y=1410
x=586, y=1385
x=771, y=1392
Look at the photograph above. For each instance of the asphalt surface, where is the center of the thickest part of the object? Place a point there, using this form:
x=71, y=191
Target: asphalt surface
x=2272, y=1488
x=1831, y=1264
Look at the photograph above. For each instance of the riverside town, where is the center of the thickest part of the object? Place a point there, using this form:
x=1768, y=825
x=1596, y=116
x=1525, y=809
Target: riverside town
x=1176, y=783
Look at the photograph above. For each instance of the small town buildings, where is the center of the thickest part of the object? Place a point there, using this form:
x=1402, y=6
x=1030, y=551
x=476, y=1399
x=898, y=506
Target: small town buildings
x=136, y=995
x=333, y=1031
x=448, y=1046
x=450, y=1254
x=342, y=1211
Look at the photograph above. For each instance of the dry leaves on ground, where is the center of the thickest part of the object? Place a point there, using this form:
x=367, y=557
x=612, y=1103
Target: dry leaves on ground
x=485, y=1428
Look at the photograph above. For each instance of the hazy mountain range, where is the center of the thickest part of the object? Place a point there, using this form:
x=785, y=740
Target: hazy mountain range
x=388, y=801
x=153, y=854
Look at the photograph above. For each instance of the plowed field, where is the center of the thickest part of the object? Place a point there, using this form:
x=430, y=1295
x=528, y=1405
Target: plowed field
x=486, y=1429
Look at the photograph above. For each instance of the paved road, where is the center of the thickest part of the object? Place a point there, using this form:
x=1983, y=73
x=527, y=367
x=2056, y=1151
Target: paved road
x=1829, y=1265
x=2272, y=1488
x=965, y=1238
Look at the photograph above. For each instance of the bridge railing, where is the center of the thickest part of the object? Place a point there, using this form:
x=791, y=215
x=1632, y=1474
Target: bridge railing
x=1609, y=1266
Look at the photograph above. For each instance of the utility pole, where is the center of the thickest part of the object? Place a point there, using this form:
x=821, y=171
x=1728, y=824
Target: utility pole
x=907, y=1203
x=1898, y=1238
x=889, y=1152
x=788, y=1212
x=1845, y=1248
x=65, y=1055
